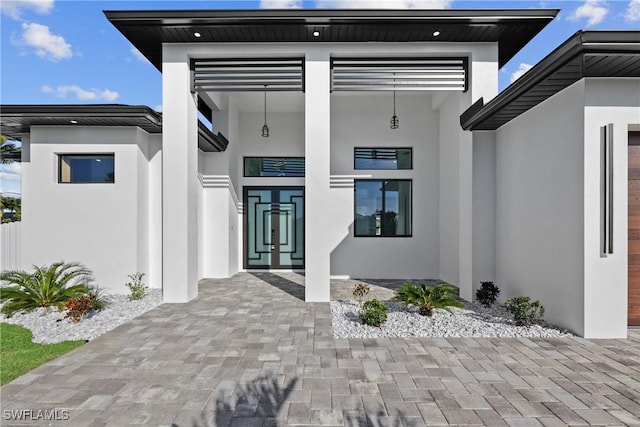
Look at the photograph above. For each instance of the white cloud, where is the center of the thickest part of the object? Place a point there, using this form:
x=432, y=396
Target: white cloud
x=14, y=8
x=81, y=94
x=158, y=108
x=633, y=11
x=47, y=45
x=384, y=4
x=136, y=53
x=10, y=172
x=280, y=4
x=523, y=68
x=593, y=10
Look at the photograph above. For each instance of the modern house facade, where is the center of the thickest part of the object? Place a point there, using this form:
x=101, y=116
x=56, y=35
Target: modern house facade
x=351, y=144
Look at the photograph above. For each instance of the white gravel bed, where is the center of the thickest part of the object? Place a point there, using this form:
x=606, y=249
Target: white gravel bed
x=48, y=325
x=474, y=320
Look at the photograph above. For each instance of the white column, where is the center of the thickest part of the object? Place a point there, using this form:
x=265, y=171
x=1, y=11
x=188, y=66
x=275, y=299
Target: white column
x=179, y=180
x=317, y=139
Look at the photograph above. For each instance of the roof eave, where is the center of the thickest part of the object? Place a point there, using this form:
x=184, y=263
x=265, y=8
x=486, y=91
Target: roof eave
x=582, y=42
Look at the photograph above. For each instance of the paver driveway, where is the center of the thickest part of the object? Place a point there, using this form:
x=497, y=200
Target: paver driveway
x=250, y=352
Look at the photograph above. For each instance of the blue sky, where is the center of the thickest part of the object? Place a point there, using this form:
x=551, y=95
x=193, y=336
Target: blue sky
x=57, y=51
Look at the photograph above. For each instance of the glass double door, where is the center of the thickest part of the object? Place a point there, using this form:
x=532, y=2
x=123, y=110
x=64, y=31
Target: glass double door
x=273, y=227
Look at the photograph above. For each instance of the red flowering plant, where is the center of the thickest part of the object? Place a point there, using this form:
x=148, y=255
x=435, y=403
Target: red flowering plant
x=79, y=308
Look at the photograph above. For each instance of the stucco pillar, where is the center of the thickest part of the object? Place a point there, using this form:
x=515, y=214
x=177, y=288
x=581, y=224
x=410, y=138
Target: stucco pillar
x=179, y=180
x=316, y=144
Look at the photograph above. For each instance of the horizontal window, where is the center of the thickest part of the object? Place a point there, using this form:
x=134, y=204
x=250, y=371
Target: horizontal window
x=274, y=166
x=383, y=158
x=86, y=168
x=383, y=208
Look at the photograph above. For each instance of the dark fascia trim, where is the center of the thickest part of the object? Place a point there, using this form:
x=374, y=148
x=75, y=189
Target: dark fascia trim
x=209, y=141
x=82, y=110
x=249, y=16
x=582, y=42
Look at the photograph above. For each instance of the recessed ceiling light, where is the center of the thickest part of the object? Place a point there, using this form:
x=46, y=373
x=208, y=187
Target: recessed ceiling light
x=74, y=122
x=316, y=34
x=197, y=35
x=436, y=33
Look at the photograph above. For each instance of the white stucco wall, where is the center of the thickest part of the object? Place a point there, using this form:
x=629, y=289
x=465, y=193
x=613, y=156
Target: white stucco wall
x=181, y=189
x=113, y=228
x=449, y=202
x=548, y=206
x=362, y=120
x=540, y=207
x=617, y=102
x=484, y=208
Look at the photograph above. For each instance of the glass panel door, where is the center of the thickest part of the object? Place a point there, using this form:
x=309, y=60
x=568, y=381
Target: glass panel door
x=258, y=228
x=291, y=224
x=274, y=227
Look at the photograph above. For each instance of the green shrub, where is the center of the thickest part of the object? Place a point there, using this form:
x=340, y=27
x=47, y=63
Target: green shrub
x=487, y=293
x=374, y=313
x=525, y=312
x=360, y=291
x=427, y=297
x=138, y=289
x=47, y=286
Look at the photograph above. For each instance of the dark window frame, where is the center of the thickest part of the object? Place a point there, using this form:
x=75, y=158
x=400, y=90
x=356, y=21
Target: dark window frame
x=355, y=213
x=244, y=166
x=383, y=148
x=63, y=155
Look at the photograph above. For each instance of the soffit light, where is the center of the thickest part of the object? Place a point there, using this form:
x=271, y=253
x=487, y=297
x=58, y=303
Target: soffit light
x=73, y=122
x=316, y=34
x=197, y=35
x=265, y=128
x=436, y=33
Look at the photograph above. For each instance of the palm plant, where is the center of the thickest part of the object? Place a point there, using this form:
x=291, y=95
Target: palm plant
x=426, y=298
x=47, y=286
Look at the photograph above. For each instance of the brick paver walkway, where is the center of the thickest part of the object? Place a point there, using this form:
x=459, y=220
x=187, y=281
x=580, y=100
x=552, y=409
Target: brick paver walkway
x=250, y=352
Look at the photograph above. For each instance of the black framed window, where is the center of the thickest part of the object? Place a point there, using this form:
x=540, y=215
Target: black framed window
x=383, y=158
x=86, y=168
x=274, y=166
x=383, y=208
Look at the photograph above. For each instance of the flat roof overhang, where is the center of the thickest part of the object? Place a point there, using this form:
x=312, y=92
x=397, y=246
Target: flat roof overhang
x=585, y=54
x=16, y=120
x=510, y=28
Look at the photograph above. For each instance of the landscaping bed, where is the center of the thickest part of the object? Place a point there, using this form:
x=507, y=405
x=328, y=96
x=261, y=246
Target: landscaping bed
x=49, y=325
x=474, y=320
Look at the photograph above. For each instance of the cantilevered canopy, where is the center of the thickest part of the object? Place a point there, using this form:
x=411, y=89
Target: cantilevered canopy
x=585, y=54
x=148, y=30
x=16, y=120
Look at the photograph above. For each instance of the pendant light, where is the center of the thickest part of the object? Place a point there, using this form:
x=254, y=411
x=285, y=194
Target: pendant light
x=265, y=128
x=395, y=122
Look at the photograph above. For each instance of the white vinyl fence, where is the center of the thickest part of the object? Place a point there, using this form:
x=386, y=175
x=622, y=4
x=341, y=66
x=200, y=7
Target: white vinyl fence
x=10, y=246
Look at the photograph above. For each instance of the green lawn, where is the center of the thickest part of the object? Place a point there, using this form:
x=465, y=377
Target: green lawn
x=18, y=355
